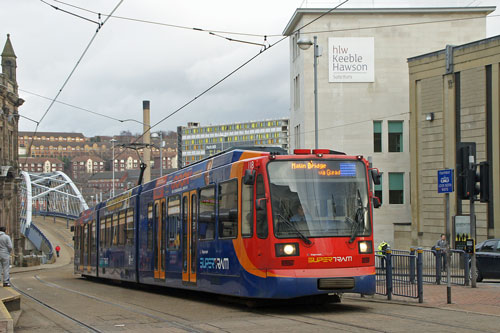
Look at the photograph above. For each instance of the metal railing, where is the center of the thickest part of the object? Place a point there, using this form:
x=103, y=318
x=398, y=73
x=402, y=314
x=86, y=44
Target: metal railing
x=400, y=274
x=403, y=272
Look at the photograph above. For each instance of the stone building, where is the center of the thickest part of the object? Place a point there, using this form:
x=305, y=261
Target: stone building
x=454, y=97
x=363, y=89
x=9, y=172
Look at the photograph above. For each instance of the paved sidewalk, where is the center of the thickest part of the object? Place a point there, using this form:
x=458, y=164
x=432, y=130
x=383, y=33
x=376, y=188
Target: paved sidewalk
x=485, y=299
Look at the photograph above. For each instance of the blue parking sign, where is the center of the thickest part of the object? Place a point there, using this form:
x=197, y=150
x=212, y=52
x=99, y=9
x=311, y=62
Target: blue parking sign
x=445, y=181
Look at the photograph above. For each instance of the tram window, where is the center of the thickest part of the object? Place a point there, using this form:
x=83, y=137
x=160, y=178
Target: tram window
x=228, y=209
x=121, y=228
x=130, y=226
x=262, y=229
x=173, y=211
x=150, y=227
x=85, y=237
x=206, y=224
x=247, y=210
x=114, y=229
x=102, y=235
x=108, y=231
x=92, y=236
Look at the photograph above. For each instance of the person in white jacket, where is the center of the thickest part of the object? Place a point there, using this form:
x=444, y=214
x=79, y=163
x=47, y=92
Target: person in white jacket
x=5, y=250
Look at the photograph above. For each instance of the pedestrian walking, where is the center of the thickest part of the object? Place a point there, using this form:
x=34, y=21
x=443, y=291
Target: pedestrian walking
x=5, y=250
x=58, y=248
x=442, y=244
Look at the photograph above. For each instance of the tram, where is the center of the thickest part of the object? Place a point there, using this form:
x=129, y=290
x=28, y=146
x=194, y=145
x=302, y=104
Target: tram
x=244, y=223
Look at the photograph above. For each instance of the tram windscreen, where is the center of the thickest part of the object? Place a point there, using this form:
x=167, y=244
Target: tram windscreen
x=319, y=198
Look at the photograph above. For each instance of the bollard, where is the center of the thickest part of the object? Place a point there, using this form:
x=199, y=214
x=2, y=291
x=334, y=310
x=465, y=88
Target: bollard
x=412, y=265
x=466, y=268
x=420, y=276
x=388, y=272
x=438, y=265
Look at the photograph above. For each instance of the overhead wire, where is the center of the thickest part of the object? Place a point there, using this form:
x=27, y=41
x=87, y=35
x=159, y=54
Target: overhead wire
x=70, y=74
x=230, y=74
x=82, y=109
x=168, y=24
x=215, y=31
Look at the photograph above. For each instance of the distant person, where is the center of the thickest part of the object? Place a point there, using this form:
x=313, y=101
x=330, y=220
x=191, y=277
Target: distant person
x=58, y=248
x=5, y=250
x=442, y=244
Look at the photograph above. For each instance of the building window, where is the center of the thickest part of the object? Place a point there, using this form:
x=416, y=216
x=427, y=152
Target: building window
x=297, y=136
x=395, y=136
x=296, y=92
x=377, y=136
x=378, y=190
x=396, y=188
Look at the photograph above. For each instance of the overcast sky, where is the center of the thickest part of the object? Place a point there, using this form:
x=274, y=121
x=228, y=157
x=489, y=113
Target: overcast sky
x=131, y=61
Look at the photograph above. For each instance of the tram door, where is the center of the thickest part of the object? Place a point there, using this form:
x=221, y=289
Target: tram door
x=159, y=226
x=189, y=236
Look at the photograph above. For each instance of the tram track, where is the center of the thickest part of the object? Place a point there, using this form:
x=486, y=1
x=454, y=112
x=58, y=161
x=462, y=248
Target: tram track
x=172, y=323
x=53, y=309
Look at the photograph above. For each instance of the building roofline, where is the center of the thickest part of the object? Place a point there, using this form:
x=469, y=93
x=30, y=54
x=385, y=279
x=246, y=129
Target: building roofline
x=457, y=47
x=299, y=12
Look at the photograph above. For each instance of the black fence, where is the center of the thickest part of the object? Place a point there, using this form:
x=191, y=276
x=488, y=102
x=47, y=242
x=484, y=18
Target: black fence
x=403, y=273
x=400, y=274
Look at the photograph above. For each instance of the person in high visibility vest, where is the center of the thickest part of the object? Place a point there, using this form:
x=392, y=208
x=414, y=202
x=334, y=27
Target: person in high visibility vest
x=382, y=247
x=381, y=251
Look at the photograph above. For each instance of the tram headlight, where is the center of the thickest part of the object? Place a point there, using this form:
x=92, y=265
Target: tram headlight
x=365, y=247
x=287, y=249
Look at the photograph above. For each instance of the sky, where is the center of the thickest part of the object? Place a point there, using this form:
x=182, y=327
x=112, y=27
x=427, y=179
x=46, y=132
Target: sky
x=129, y=61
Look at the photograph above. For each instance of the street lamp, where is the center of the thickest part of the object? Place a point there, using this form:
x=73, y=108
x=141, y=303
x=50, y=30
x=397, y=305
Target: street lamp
x=113, y=167
x=304, y=43
x=160, y=134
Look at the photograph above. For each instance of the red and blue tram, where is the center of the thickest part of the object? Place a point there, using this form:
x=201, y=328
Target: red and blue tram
x=243, y=223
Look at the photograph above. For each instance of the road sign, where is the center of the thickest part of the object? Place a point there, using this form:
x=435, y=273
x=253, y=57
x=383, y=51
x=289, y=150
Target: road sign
x=445, y=181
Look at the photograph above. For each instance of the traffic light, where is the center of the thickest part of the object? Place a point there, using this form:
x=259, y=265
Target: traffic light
x=469, y=181
x=466, y=152
x=484, y=181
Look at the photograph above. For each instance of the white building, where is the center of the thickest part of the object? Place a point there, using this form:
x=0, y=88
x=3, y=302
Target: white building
x=363, y=86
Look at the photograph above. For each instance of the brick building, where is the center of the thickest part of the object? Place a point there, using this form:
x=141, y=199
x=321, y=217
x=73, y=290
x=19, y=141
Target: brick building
x=41, y=164
x=82, y=167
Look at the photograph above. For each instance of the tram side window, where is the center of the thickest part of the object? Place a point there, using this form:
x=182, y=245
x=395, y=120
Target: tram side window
x=108, y=231
x=92, y=236
x=121, y=227
x=85, y=238
x=130, y=226
x=174, y=222
x=247, y=210
x=150, y=226
x=262, y=229
x=114, y=226
x=206, y=224
x=228, y=209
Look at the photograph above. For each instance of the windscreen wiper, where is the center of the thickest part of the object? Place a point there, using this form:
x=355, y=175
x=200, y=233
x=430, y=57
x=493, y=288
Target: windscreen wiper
x=358, y=219
x=299, y=233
